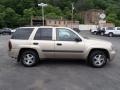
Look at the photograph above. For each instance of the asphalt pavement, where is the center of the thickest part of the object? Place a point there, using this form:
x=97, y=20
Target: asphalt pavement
x=59, y=75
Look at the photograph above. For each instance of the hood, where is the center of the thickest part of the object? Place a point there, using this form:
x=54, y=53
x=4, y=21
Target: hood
x=98, y=42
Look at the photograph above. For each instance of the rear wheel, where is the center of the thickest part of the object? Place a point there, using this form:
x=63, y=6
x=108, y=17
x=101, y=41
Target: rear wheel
x=97, y=59
x=95, y=33
x=110, y=34
x=29, y=58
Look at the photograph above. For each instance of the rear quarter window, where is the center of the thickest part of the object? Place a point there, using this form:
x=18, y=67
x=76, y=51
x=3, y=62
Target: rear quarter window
x=22, y=33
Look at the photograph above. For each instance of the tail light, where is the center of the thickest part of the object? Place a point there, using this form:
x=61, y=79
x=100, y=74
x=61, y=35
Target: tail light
x=9, y=45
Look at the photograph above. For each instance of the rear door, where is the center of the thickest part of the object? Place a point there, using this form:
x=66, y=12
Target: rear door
x=66, y=46
x=111, y=30
x=44, y=38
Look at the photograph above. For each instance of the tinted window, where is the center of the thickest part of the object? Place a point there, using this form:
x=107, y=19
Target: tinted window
x=118, y=28
x=22, y=33
x=66, y=35
x=43, y=34
x=110, y=28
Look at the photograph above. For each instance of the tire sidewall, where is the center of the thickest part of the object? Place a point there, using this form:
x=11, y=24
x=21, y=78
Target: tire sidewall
x=95, y=33
x=110, y=34
x=32, y=53
x=94, y=53
x=102, y=33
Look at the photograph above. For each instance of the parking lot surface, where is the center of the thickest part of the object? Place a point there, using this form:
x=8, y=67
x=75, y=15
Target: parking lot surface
x=59, y=75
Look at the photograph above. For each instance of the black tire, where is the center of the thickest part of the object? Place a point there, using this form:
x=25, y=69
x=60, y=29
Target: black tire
x=29, y=58
x=10, y=33
x=97, y=59
x=102, y=33
x=110, y=34
x=2, y=33
x=95, y=33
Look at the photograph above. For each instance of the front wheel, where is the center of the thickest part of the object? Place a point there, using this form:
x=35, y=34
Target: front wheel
x=97, y=59
x=102, y=33
x=29, y=58
x=110, y=34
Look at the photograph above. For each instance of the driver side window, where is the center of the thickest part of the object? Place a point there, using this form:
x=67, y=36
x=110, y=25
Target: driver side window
x=65, y=35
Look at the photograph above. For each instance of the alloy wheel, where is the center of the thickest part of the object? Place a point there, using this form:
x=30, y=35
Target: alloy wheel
x=98, y=60
x=28, y=59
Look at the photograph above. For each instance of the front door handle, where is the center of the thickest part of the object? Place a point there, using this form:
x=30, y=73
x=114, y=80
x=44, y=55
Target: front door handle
x=59, y=44
x=35, y=43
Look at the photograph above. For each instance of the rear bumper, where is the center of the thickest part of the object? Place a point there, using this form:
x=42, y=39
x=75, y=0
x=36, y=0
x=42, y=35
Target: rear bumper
x=13, y=53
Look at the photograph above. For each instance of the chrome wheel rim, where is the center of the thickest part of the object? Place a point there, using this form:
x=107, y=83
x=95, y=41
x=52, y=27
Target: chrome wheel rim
x=29, y=59
x=98, y=60
x=110, y=35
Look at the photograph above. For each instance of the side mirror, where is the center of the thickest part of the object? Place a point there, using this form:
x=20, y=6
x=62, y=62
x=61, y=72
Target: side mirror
x=78, y=39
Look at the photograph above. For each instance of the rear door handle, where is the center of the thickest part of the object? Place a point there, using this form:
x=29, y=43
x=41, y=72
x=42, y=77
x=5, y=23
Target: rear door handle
x=35, y=43
x=59, y=44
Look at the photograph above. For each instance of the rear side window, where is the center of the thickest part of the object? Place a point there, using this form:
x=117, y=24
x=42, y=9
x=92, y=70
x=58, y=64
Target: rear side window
x=43, y=34
x=118, y=28
x=110, y=28
x=22, y=33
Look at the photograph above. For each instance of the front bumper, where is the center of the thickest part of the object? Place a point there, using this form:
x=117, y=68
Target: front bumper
x=112, y=54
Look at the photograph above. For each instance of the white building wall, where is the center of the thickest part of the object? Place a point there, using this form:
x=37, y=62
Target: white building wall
x=87, y=27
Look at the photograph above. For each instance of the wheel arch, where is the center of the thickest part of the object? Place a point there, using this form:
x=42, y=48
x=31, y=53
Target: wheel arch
x=111, y=33
x=25, y=49
x=99, y=49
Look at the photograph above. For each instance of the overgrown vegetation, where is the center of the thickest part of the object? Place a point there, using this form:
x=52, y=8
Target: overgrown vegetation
x=14, y=13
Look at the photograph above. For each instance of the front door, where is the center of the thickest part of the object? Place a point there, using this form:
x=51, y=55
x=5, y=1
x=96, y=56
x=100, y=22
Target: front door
x=66, y=46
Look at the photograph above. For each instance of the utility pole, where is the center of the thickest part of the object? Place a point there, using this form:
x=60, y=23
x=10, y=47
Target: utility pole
x=72, y=10
x=72, y=14
x=43, y=16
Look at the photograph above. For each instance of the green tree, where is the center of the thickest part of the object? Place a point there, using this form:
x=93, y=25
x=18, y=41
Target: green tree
x=112, y=18
x=2, y=22
x=51, y=9
x=2, y=15
x=52, y=16
x=28, y=13
x=15, y=13
x=100, y=4
x=11, y=18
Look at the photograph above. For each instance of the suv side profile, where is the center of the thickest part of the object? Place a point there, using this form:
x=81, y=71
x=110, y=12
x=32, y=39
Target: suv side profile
x=29, y=45
x=112, y=31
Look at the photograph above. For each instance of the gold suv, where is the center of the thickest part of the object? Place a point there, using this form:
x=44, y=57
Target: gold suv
x=31, y=44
